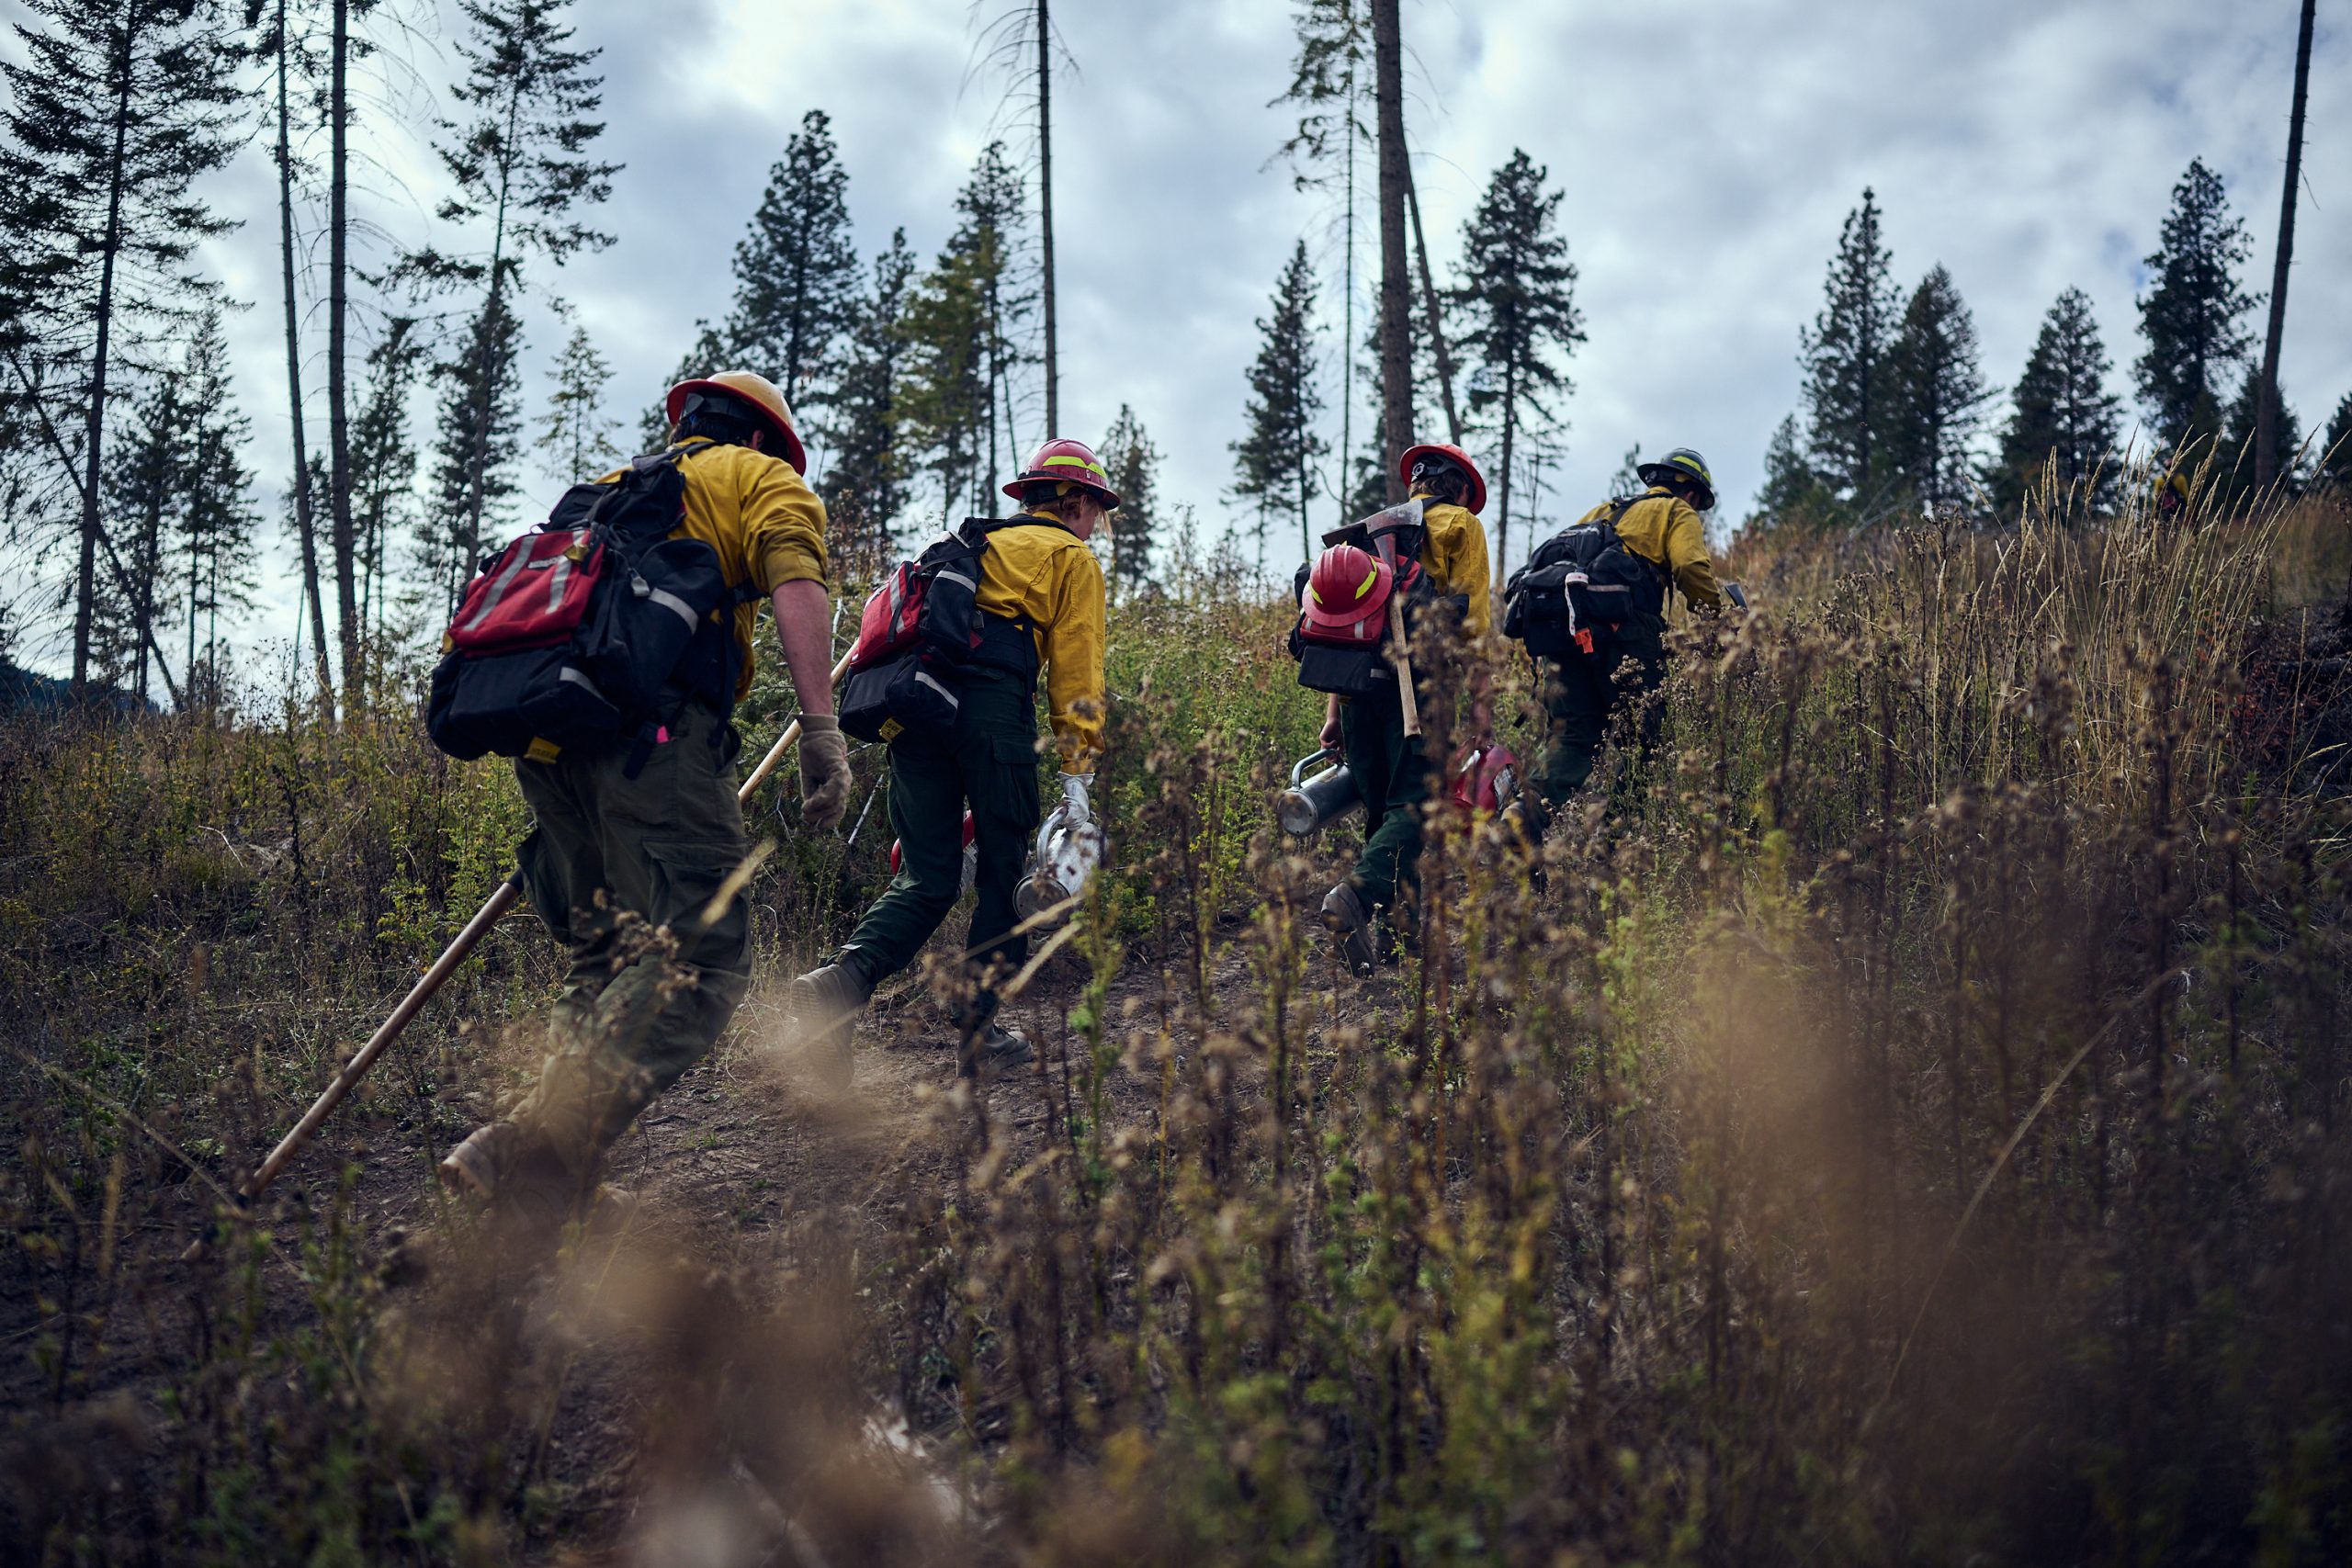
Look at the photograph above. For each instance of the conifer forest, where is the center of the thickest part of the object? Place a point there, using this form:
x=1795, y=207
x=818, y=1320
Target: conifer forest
x=1897, y=1109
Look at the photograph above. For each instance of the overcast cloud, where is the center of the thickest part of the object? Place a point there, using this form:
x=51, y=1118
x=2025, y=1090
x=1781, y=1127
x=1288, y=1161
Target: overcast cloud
x=1708, y=153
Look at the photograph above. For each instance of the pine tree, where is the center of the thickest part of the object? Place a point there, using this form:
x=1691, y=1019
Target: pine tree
x=796, y=270
x=575, y=439
x=141, y=509
x=114, y=112
x=2335, y=462
x=2193, y=316
x=218, y=522
x=384, y=462
x=473, y=466
x=2062, y=419
x=1845, y=356
x=994, y=207
x=1274, y=462
x=520, y=161
x=960, y=322
x=1793, y=495
x=1519, y=297
x=944, y=401
x=1132, y=464
x=1328, y=84
x=1937, y=393
x=2234, y=467
x=864, y=484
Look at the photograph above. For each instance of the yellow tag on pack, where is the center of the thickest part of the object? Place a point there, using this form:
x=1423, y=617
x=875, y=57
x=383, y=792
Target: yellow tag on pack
x=892, y=729
x=542, y=750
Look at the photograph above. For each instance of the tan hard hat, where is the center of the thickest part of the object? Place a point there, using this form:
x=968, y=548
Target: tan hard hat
x=760, y=394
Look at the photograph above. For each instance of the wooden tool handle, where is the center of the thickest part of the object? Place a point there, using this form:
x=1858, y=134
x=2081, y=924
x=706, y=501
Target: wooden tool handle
x=1400, y=662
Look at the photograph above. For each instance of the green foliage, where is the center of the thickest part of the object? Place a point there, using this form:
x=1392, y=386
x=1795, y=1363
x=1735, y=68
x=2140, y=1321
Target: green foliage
x=961, y=323
x=2233, y=464
x=1132, y=532
x=1520, y=316
x=795, y=271
x=865, y=483
x=1936, y=393
x=2062, y=419
x=2192, y=317
x=575, y=440
x=1848, y=356
x=1274, y=462
x=2335, y=461
x=477, y=440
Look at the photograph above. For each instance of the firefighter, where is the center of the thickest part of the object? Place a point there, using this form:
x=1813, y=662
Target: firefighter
x=1041, y=602
x=1389, y=767
x=2172, y=494
x=660, y=840
x=1581, y=691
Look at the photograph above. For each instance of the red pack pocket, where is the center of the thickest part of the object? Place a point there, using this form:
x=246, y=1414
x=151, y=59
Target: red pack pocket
x=887, y=627
x=533, y=595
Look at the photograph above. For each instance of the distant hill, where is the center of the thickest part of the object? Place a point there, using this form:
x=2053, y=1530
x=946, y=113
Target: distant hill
x=23, y=690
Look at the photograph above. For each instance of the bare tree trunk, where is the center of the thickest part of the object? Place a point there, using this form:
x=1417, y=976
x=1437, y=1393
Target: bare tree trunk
x=1437, y=320
x=1395, y=294
x=2266, y=424
x=1046, y=203
x=487, y=334
x=346, y=602
x=85, y=587
x=1347, y=316
x=1502, y=495
x=305, y=517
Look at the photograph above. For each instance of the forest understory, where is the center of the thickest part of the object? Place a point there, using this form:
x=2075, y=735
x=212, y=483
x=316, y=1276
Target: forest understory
x=1905, y=1129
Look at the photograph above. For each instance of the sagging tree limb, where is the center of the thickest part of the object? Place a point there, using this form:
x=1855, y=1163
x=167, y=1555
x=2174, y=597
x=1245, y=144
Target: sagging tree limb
x=1437, y=321
x=97, y=537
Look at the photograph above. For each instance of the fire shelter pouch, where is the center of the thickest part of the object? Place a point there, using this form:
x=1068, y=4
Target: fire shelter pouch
x=883, y=701
x=503, y=703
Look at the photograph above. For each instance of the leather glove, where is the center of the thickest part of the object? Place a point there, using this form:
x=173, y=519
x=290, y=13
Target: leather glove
x=824, y=771
x=1074, y=788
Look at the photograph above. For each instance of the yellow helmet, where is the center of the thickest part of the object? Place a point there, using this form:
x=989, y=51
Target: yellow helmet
x=755, y=392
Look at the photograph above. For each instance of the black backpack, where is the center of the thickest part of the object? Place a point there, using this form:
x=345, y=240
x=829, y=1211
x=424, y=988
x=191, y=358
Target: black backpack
x=594, y=625
x=1581, y=590
x=922, y=627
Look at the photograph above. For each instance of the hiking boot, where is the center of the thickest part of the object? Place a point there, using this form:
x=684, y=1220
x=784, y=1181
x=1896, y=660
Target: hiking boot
x=1345, y=917
x=999, y=1050
x=825, y=1005
x=517, y=1178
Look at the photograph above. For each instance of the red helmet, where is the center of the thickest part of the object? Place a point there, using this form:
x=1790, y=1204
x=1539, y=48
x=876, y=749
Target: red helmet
x=1347, y=597
x=1072, y=462
x=1476, y=498
x=1488, y=778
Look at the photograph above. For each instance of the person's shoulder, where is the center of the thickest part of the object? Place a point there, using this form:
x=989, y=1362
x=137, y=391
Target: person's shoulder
x=1664, y=504
x=1452, y=517
x=745, y=464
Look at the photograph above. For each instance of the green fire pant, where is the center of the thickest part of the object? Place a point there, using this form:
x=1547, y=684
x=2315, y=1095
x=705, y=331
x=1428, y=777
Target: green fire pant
x=1582, y=692
x=1393, y=779
x=990, y=760
x=657, y=847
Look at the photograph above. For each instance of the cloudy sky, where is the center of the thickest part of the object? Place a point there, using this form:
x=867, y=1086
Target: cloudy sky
x=1708, y=153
